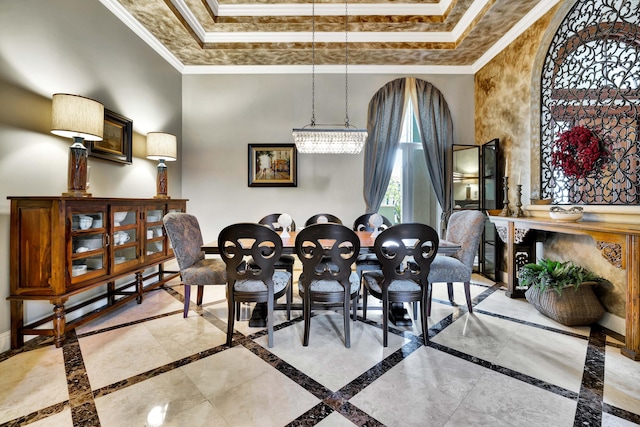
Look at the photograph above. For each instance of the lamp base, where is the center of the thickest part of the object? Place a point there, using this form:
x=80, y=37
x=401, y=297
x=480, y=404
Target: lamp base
x=78, y=193
x=162, y=182
x=77, y=170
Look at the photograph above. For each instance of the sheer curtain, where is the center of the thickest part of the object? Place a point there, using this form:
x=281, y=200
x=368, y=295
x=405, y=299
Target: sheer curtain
x=436, y=132
x=384, y=123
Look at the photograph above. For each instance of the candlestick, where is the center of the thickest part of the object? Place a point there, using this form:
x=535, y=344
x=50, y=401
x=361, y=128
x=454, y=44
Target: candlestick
x=505, y=199
x=518, y=213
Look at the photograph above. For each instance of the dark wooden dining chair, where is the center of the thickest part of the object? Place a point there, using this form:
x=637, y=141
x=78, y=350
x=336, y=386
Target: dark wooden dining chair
x=327, y=252
x=185, y=236
x=323, y=218
x=368, y=261
x=464, y=228
x=255, y=281
x=405, y=252
x=362, y=223
x=285, y=262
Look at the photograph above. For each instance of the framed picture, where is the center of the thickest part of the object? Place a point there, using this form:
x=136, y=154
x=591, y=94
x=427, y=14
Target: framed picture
x=273, y=165
x=116, y=141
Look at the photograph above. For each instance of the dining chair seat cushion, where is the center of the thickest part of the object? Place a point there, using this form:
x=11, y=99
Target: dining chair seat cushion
x=374, y=278
x=286, y=260
x=332, y=285
x=448, y=269
x=367, y=258
x=205, y=272
x=280, y=280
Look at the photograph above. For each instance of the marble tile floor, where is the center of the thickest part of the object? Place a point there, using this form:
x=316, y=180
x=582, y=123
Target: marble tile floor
x=144, y=365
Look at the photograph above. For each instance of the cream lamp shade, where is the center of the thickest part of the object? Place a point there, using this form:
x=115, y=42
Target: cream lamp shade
x=75, y=116
x=80, y=118
x=162, y=146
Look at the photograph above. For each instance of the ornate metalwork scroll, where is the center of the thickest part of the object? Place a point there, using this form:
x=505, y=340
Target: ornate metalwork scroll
x=591, y=78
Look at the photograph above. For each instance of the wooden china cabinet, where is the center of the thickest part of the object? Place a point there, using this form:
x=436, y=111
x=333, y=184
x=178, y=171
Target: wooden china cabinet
x=63, y=246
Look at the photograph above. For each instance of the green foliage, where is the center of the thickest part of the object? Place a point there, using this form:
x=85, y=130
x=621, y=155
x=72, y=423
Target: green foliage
x=556, y=275
x=393, y=197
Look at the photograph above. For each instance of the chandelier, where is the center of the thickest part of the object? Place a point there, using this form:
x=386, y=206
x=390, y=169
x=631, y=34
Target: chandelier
x=329, y=138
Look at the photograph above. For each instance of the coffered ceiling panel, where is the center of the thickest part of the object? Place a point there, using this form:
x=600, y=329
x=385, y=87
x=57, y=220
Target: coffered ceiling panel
x=208, y=35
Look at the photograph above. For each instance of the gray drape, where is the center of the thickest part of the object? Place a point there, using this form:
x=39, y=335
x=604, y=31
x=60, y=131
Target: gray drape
x=436, y=130
x=384, y=124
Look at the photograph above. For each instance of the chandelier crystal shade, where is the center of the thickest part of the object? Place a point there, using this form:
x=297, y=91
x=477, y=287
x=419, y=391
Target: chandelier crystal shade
x=329, y=140
x=335, y=141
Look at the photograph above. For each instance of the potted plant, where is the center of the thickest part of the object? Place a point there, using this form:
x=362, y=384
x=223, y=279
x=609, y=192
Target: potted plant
x=562, y=291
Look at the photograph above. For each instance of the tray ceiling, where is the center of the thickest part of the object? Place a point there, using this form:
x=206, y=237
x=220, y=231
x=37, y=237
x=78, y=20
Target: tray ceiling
x=200, y=36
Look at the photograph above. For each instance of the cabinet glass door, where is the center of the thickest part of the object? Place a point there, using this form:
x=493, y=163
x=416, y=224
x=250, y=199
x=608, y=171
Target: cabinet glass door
x=491, y=198
x=124, y=238
x=466, y=177
x=154, y=232
x=88, y=249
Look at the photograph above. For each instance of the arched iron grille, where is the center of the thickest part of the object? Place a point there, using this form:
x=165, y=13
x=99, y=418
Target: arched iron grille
x=590, y=78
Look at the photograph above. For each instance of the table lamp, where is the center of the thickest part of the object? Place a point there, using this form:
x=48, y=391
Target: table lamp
x=82, y=119
x=161, y=147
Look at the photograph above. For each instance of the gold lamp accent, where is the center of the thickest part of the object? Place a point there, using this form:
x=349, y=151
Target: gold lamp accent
x=80, y=118
x=162, y=147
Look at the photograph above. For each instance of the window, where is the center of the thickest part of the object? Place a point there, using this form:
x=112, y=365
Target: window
x=590, y=79
x=410, y=196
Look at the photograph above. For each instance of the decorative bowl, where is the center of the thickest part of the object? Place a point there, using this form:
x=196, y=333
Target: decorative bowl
x=559, y=214
x=118, y=217
x=77, y=270
x=91, y=243
x=85, y=222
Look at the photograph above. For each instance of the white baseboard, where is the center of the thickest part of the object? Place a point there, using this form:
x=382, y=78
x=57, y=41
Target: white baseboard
x=613, y=322
x=5, y=341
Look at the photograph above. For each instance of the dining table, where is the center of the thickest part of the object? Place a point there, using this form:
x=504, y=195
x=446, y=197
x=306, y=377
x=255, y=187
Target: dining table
x=397, y=313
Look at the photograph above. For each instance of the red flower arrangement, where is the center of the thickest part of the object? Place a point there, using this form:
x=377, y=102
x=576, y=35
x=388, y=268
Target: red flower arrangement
x=578, y=152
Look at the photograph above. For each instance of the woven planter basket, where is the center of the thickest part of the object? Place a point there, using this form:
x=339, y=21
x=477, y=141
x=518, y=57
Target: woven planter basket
x=575, y=307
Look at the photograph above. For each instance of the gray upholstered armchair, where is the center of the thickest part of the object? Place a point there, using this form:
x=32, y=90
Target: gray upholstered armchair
x=464, y=228
x=195, y=270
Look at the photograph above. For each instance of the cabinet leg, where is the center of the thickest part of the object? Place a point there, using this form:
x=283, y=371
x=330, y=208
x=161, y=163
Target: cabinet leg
x=111, y=289
x=59, y=323
x=139, y=286
x=17, y=322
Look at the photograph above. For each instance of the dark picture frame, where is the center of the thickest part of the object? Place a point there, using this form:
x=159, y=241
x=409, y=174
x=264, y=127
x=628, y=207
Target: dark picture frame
x=273, y=165
x=116, y=140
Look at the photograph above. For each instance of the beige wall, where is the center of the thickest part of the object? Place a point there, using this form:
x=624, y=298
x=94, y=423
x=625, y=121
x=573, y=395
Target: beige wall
x=224, y=113
x=507, y=107
x=78, y=47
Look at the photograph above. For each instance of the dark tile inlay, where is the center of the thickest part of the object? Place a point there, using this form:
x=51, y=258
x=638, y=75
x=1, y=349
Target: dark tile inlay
x=83, y=408
x=38, y=415
x=589, y=410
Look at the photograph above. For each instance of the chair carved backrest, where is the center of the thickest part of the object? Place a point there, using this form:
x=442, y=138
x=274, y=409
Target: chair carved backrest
x=362, y=223
x=238, y=242
x=323, y=219
x=465, y=228
x=327, y=252
x=185, y=235
x=271, y=221
x=395, y=246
